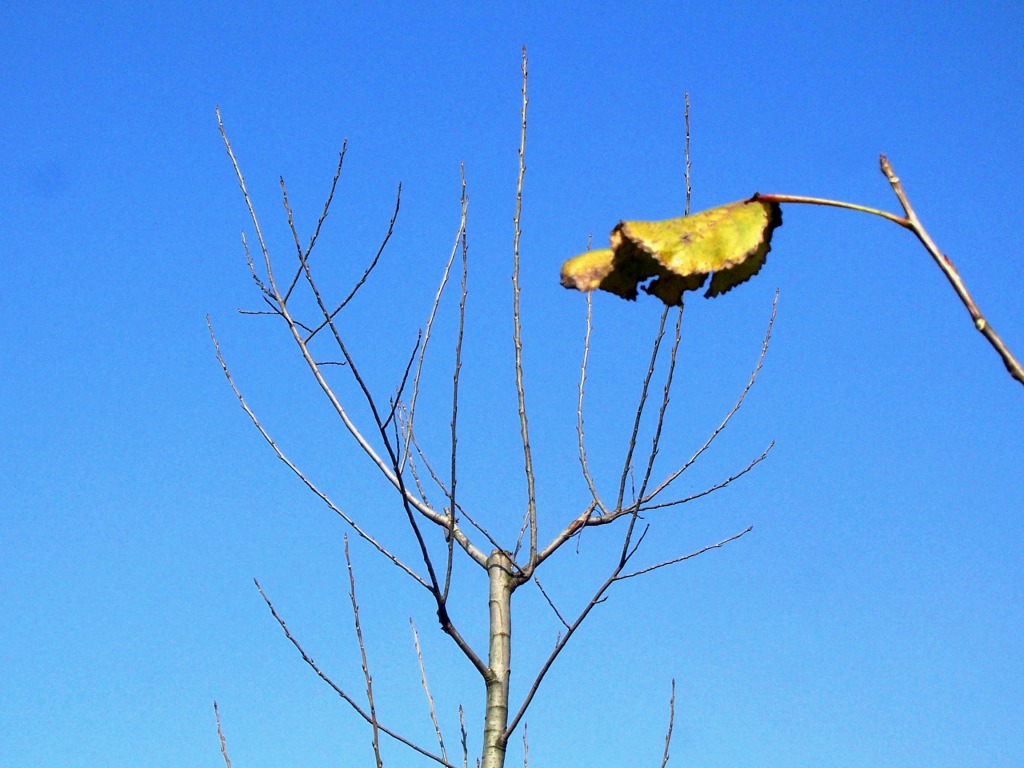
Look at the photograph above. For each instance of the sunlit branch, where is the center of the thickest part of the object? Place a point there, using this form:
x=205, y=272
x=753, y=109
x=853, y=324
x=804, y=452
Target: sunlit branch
x=374, y=725
x=628, y=463
x=671, y=719
x=517, y=337
x=338, y=690
x=426, y=690
x=366, y=273
x=579, y=409
x=675, y=560
x=716, y=487
x=728, y=417
x=298, y=473
x=220, y=735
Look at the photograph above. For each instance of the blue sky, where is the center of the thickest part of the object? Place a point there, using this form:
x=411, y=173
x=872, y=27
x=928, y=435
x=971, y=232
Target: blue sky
x=875, y=614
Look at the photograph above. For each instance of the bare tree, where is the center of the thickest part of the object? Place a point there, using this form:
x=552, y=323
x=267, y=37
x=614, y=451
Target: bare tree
x=443, y=533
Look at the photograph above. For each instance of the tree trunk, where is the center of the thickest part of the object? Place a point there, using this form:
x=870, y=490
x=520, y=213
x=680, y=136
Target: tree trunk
x=499, y=573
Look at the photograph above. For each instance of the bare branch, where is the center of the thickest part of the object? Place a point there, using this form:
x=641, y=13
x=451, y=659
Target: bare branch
x=348, y=699
x=952, y=275
x=628, y=463
x=728, y=417
x=597, y=599
x=465, y=742
x=426, y=690
x=579, y=409
x=220, y=735
x=452, y=504
x=374, y=725
x=248, y=203
x=673, y=561
x=686, y=150
x=298, y=473
x=671, y=719
x=366, y=273
x=660, y=423
x=320, y=221
x=717, y=486
x=550, y=602
x=517, y=338
x=433, y=314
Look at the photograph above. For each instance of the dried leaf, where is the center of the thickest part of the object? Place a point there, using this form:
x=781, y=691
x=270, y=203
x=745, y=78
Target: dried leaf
x=730, y=243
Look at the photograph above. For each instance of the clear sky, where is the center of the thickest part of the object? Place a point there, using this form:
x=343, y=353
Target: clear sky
x=873, y=617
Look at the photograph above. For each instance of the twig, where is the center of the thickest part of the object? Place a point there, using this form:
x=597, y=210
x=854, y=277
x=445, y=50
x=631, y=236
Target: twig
x=465, y=738
x=452, y=504
x=320, y=221
x=579, y=408
x=348, y=699
x=517, y=339
x=374, y=725
x=716, y=487
x=426, y=690
x=1012, y=366
x=220, y=735
x=911, y=222
x=660, y=423
x=366, y=273
x=299, y=474
x=686, y=151
x=671, y=723
x=675, y=560
x=433, y=313
x=526, y=749
x=550, y=601
x=628, y=463
x=728, y=417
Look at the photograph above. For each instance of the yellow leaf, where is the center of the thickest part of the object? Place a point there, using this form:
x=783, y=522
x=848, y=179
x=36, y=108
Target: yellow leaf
x=730, y=243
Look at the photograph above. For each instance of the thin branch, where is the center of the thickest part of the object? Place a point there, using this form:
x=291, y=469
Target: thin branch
x=675, y=560
x=526, y=749
x=366, y=273
x=663, y=409
x=517, y=337
x=952, y=275
x=220, y=735
x=320, y=221
x=405, y=379
x=293, y=327
x=579, y=409
x=452, y=504
x=686, y=151
x=433, y=314
x=911, y=222
x=628, y=463
x=550, y=602
x=597, y=599
x=248, y=202
x=671, y=723
x=802, y=199
x=374, y=725
x=348, y=699
x=716, y=487
x=426, y=690
x=728, y=417
x=298, y=473
x=465, y=738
